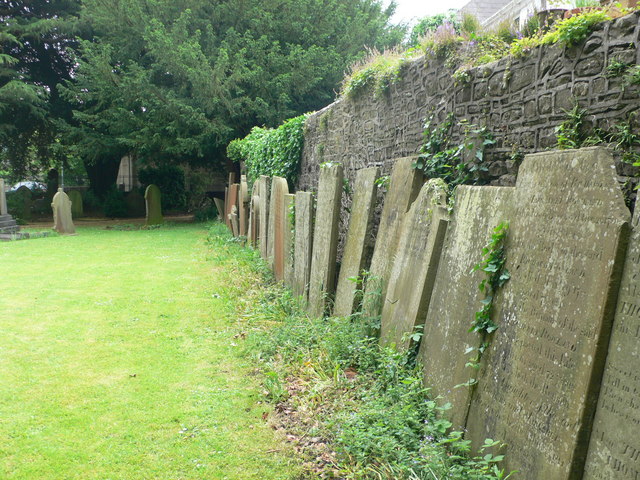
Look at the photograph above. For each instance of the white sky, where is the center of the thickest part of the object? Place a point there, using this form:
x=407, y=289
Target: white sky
x=409, y=10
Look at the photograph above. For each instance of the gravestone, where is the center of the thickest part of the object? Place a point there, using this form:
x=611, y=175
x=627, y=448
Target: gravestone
x=303, y=243
x=233, y=202
x=225, y=213
x=455, y=296
x=153, y=199
x=277, y=225
x=62, y=220
x=289, y=206
x=243, y=201
x=539, y=378
x=76, y=203
x=614, y=449
x=355, y=249
x=325, y=240
x=415, y=266
x=220, y=207
x=3, y=198
x=233, y=218
x=265, y=190
x=23, y=203
x=254, y=220
x=135, y=203
x=404, y=185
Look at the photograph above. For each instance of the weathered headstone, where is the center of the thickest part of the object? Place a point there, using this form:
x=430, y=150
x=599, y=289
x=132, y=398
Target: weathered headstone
x=135, y=203
x=404, y=185
x=265, y=191
x=153, y=199
x=3, y=198
x=614, y=449
x=254, y=220
x=415, y=266
x=356, y=245
x=289, y=205
x=23, y=203
x=225, y=212
x=233, y=218
x=277, y=225
x=303, y=243
x=220, y=206
x=455, y=296
x=233, y=202
x=542, y=369
x=243, y=201
x=62, y=221
x=325, y=239
x=77, y=210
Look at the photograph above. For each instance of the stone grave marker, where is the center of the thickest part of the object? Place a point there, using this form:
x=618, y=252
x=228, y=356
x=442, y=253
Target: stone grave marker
x=303, y=243
x=415, y=266
x=277, y=225
x=455, y=296
x=220, y=207
x=3, y=198
x=243, y=201
x=404, y=185
x=153, y=199
x=233, y=218
x=265, y=190
x=289, y=205
x=225, y=213
x=325, y=239
x=233, y=202
x=355, y=250
x=24, y=203
x=539, y=378
x=62, y=220
x=614, y=449
x=76, y=203
x=135, y=203
x=254, y=219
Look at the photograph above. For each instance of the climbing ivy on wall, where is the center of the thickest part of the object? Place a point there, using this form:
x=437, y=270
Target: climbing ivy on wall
x=271, y=151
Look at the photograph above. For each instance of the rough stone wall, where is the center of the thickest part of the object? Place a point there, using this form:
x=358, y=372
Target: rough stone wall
x=520, y=101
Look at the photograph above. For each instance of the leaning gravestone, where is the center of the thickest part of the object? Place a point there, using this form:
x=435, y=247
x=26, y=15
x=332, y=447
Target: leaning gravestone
x=289, y=233
x=232, y=207
x=76, y=203
x=303, y=243
x=404, y=186
x=614, y=450
x=455, y=297
x=355, y=249
x=153, y=201
x=243, y=201
x=265, y=190
x=538, y=384
x=277, y=225
x=415, y=266
x=62, y=220
x=219, y=207
x=325, y=239
x=254, y=219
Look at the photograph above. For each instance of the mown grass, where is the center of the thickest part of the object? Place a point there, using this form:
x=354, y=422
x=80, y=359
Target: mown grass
x=118, y=360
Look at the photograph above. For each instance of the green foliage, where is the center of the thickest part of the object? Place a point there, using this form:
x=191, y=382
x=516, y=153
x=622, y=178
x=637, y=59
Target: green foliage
x=377, y=72
x=572, y=132
x=431, y=23
x=170, y=180
x=616, y=68
x=626, y=139
x=574, y=29
x=523, y=46
x=114, y=205
x=205, y=211
x=267, y=151
x=632, y=76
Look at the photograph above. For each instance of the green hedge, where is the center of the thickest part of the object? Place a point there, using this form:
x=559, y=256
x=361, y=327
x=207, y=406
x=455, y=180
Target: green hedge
x=269, y=151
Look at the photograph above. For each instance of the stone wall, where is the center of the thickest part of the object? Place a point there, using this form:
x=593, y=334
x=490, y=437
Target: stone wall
x=521, y=102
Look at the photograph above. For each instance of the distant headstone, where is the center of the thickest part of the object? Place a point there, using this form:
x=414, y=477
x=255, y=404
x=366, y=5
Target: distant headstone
x=542, y=369
x=356, y=245
x=289, y=205
x=404, y=185
x=243, y=206
x=62, y=220
x=277, y=226
x=153, y=199
x=135, y=203
x=23, y=203
x=3, y=198
x=220, y=207
x=77, y=210
x=325, y=239
x=455, y=296
x=415, y=266
x=265, y=191
x=614, y=450
x=233, y=202
x=303, y=243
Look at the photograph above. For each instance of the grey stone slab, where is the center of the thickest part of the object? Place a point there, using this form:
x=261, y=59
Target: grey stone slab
x=232, y=207
x=303, y=243
x=153, y=203
x=77, y=209
x=243, y=206
x=277, y=226
x=325, y=240
x=289, y=239
x=254, y=219
x=614, y=449
x=62, y=220
x=404, y=185
x=220, y=207
x=265, y=191
x=455, y=297
x=3, y=198
x=356, y=245
x=538, y=384
x=416, y=264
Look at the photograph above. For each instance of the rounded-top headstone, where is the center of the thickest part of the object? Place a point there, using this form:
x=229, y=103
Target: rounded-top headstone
x=62, y=220
x=153, y=200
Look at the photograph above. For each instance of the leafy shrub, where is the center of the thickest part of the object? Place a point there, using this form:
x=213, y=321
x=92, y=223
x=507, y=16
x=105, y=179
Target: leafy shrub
x=430, y=24
x=572, y=30
x=268, y=151
x=523, y=46
x=170, y=180
x=205, y=211
x=115, y=205
x=377, y=72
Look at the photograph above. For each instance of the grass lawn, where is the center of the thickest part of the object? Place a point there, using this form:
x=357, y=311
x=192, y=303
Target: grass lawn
x=118, y=361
